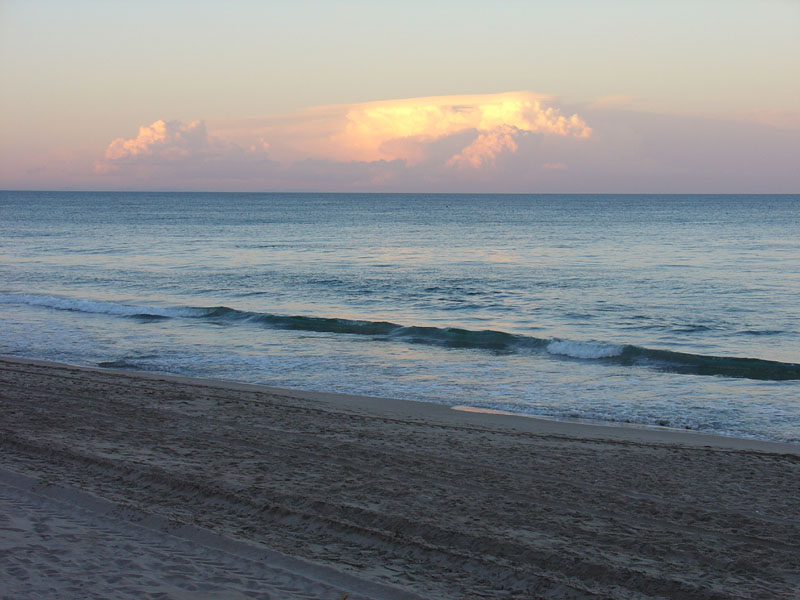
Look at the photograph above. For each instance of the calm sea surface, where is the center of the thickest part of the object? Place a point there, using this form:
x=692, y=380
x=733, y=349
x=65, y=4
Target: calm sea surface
x=680, y=311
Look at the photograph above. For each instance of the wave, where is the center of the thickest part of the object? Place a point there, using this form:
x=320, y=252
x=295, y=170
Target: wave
x=99, y=306
x=450, y=337
x=585, y=350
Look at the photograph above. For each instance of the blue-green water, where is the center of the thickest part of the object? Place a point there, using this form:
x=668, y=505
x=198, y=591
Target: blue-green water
x=658, y=310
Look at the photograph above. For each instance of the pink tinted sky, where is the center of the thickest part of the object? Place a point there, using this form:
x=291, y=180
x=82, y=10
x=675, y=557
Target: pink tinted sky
x=574, y=96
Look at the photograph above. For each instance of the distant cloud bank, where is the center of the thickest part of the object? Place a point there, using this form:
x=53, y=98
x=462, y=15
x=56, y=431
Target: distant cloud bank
x=181, y=148
x=508, y=142
x=432, y=139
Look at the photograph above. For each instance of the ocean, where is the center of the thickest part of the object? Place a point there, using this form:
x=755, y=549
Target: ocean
x=677, y=311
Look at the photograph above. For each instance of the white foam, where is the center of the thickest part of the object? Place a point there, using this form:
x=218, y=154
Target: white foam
x=584, y=349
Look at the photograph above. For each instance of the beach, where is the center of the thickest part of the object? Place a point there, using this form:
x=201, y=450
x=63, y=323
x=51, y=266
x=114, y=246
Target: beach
x=524, y=303
x=128, y=484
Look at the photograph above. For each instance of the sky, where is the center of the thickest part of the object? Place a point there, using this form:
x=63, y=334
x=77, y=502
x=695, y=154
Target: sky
x=575, y=96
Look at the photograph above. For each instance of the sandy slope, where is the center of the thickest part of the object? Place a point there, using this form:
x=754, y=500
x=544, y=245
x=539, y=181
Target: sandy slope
x=375, y=497
x=63, y=543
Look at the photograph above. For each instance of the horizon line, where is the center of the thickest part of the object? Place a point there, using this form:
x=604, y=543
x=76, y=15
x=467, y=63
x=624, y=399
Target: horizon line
x=388, y=193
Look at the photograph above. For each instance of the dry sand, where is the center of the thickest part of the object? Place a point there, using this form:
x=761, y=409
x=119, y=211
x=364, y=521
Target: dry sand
x=126, y=485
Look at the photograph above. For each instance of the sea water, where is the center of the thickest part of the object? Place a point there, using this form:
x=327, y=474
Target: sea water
x=679, y=311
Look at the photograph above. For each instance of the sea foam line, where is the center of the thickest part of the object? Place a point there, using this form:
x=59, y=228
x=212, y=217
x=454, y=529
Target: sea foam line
x=450, y=337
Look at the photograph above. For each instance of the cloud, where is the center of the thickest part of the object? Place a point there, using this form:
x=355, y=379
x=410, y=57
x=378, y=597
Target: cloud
x=177, y=147
x=512, y=142
x=781, y=119
x=486, y=147
x=405, y=129
x=400, y=129
x=167, y=140
x=426, y=138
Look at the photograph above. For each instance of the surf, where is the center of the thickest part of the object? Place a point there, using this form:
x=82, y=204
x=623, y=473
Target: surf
x=500, y=342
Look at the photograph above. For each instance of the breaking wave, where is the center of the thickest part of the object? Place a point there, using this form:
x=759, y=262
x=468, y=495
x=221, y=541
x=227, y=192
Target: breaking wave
x=450, y=337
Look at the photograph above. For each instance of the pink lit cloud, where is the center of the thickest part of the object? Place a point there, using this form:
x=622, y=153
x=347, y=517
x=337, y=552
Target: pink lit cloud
x=486, y=147
x=425, y=138
x=172, y=143
x=174, y=155
x=516, y=142
x=172, y=140
x=401, y=129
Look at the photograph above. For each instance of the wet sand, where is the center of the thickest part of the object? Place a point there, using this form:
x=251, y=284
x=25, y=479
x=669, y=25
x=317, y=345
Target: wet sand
x=122, y=484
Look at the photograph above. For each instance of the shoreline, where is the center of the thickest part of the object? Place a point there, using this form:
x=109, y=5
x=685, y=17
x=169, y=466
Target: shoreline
x=127, y=484
x=525, y=422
